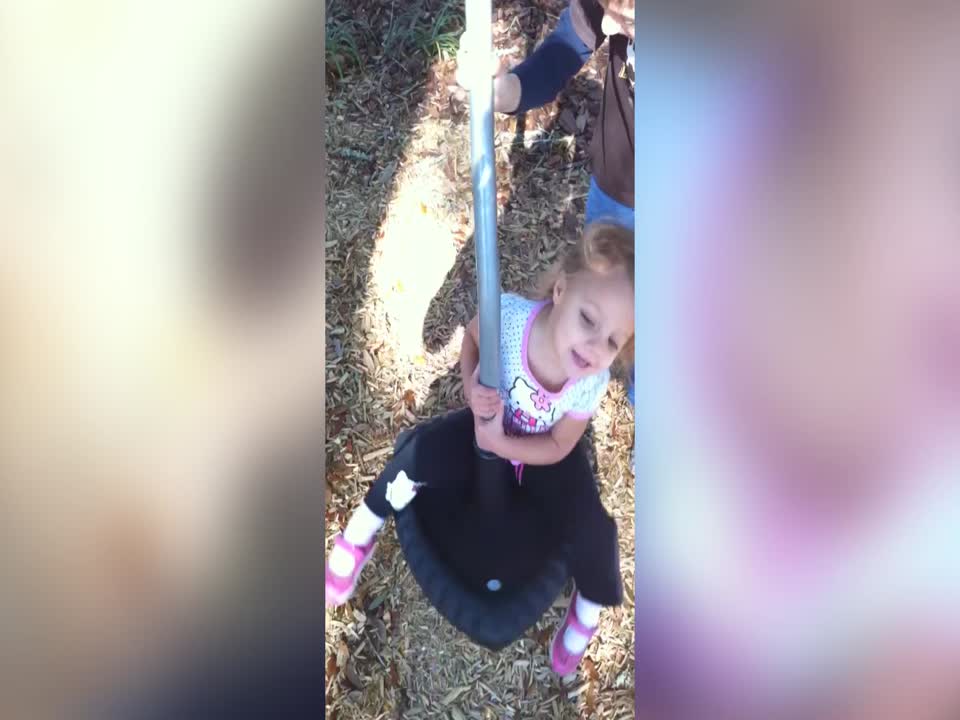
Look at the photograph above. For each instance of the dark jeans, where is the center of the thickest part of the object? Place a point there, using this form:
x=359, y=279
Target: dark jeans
x=564, y=496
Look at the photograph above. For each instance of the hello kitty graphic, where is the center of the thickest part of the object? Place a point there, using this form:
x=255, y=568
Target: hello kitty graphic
x=529, y=410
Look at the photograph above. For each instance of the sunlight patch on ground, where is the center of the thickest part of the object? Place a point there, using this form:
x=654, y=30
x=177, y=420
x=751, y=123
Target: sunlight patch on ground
x=415, y=251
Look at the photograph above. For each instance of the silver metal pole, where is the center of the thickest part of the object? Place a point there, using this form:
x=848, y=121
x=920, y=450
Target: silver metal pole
x=479, y=16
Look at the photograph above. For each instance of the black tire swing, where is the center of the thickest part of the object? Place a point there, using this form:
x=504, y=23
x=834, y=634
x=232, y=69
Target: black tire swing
x=508, y=585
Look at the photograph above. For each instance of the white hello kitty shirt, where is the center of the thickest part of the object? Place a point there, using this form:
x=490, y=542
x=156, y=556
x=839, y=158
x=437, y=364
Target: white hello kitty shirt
x=529, y=407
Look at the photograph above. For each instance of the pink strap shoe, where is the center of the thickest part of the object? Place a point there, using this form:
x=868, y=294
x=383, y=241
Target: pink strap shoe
x=339, y=589
x=562, y=661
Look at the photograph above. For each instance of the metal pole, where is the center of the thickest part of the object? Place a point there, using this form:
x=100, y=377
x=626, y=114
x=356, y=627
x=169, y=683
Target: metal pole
x=483, y=174
x=491, y=488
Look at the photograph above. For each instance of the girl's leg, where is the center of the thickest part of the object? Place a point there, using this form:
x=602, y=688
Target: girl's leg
x=571, y=639
x=594, y=560
x=445, y=442
x=595, y=556
x=588, y=614
x=569, y=493
x=363, y=525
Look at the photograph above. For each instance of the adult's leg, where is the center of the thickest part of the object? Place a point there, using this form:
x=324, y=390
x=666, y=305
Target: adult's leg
x=602, y=207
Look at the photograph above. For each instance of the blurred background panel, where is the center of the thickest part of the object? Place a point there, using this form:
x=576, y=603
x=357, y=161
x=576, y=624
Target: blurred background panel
x=161, y=326
x=798, y=484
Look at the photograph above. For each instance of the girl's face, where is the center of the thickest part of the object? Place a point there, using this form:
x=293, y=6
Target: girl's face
x=592, y=320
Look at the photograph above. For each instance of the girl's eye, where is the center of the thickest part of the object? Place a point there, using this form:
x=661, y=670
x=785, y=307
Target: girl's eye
x=586, y=318
x=613, y=345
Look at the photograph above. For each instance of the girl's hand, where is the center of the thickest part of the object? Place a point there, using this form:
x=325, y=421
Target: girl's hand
x=489, y=433
x=484, y=402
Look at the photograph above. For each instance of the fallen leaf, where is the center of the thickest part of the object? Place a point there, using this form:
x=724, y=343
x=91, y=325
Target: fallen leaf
x=377, y=602
x=568, y=121
x=590, y=700
x=381, y=630
x=410, y=399
x=386, y=175
x=571, y=224
x=454, y=694
x=352, y=677
x=332, y=667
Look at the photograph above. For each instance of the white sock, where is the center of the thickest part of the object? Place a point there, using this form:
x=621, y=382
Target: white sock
x=361, y=528
x=588, y=613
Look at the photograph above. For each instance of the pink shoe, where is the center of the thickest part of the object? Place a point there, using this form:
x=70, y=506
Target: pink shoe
x=338, y=588
x=562, y=661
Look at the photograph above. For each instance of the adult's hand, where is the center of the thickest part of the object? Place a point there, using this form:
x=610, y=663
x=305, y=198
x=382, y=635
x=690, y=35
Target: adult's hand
x=472, y=64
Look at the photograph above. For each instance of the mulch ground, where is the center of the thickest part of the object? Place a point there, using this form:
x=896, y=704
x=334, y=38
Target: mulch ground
x=401, y=286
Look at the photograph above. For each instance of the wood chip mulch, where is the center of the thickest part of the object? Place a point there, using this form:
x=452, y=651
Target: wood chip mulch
x=400, y=279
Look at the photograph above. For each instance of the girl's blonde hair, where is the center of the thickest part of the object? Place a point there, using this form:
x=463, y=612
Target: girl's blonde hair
x=601, y=248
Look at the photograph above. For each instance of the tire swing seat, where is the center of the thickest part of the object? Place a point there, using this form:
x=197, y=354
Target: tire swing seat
x=492, y=604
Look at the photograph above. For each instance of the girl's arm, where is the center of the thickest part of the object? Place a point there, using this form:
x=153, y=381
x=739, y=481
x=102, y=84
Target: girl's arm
x=544, y=449
x=558, y=58
x=470, y=354
x=483, y=401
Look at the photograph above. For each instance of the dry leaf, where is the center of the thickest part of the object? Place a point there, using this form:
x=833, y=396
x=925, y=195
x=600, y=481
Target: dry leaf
x=351, y=674
x=454, y=694
x=581, y=121
x=567, y=121
x=381, y=630
x=590, y=700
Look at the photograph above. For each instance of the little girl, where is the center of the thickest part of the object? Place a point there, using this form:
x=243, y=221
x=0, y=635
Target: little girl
x=555, y=359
